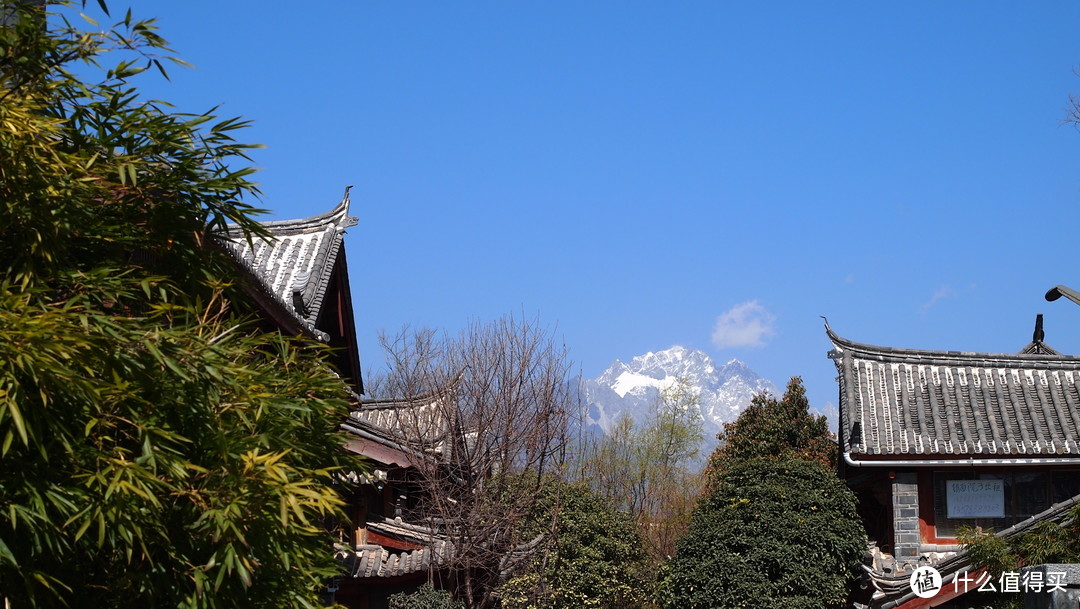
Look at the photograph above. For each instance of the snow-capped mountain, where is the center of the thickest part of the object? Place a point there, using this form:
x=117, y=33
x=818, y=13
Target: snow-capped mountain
x=634, y=387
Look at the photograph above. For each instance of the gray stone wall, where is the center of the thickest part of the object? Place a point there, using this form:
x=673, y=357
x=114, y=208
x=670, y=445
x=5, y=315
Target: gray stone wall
x=905, y=504
x=1060, y=587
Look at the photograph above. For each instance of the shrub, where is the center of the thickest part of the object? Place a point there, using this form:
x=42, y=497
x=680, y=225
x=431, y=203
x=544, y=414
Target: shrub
x=772, y=533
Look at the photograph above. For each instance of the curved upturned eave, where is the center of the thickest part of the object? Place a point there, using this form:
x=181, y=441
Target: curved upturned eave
x=953, y=358
x=337, y=217
x=280, y=313
x=275, y=302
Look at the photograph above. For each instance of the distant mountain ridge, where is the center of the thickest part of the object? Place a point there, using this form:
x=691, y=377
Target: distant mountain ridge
x=634, y=387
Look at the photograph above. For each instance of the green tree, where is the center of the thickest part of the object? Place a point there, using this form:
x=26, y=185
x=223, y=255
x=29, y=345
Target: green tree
x=156, y=448
x=595, y=557
x=776, y=429
x=771, y=533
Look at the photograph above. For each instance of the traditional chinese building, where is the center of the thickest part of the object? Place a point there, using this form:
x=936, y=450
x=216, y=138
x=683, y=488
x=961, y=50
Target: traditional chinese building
x=935, y=440
x=385, y=553
x=298, y=278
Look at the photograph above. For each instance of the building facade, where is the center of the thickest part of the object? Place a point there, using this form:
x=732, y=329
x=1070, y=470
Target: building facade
x=932, y=441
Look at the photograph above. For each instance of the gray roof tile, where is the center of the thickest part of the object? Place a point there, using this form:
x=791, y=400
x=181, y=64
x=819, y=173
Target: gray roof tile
x=295, y=265
x=906, y=402
x=375, y=561
x=418, y=426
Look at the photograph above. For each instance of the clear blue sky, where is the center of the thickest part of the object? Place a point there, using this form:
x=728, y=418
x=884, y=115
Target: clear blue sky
x=633, y=171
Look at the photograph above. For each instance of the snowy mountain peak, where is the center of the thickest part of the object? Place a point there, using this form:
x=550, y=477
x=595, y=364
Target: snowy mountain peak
x=675, y=360
x=634, y=387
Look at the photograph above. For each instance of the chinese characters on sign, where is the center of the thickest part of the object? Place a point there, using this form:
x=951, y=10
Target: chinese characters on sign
x=975, y=498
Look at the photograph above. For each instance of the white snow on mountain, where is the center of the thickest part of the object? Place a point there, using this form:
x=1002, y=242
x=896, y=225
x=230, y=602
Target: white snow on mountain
x=634, y=387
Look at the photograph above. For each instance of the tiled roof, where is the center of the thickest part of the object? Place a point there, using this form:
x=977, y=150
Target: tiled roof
x=294, y=267
x=402, y=431
x=371, y=560
x=409, y=532
x=418, y=420
x=376, y=561
x=953, y=404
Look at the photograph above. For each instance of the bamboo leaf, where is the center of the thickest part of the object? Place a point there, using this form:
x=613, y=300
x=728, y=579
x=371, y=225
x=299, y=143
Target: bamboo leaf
x=12, y=407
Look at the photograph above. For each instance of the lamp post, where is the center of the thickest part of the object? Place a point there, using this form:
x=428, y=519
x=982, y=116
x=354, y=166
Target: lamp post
x=1059, y=290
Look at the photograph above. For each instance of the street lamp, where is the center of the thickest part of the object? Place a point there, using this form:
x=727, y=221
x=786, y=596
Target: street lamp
x=1059, y=290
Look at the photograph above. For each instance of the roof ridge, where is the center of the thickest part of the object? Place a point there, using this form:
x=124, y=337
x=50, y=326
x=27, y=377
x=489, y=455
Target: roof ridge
x=338, y=216
x=941, y=356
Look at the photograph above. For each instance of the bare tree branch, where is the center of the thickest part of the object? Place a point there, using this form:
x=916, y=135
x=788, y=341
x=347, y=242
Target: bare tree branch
x=493, y=435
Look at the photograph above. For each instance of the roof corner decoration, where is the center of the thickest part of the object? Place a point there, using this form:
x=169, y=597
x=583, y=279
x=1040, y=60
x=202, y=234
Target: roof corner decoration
x=292, y=269
x=942, y=408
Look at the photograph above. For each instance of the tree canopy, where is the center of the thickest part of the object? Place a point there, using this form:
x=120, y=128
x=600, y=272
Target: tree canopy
x=503, y=392
x=426, y=597
x=595, y=559
x=650, y=471
x=771, y=533
x=156, y=447
x=776, y=429
x=776, y=527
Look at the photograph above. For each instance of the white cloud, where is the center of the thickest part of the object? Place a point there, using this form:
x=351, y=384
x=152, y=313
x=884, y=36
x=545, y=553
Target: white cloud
x=942, y=292
x=746, y=324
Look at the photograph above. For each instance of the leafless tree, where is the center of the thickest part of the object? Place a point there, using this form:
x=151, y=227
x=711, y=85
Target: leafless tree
x=649, y=471
x=489, y=429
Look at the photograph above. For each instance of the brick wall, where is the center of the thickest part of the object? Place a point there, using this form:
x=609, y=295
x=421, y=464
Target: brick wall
x=905, y=504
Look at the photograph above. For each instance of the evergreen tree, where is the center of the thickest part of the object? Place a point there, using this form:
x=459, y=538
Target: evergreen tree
x=771, y=533
x=776, y=526
x=595, y=556
x=775, y=429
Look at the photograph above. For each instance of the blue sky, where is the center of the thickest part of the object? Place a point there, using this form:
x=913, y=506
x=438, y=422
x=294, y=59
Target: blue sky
x=643, y=174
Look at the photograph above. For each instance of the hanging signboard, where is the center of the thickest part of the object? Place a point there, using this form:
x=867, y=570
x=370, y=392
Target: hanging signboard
x=975, y=498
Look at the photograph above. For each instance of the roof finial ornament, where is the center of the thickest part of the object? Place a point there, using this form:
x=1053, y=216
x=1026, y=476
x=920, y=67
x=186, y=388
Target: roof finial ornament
x=346, y=220
x=1037, y=346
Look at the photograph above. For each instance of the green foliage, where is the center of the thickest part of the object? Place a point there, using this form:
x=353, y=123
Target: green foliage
x=427, y=597
x=596, y=557
x=776, y=429
x=772, y=533
x=1045, y=543
x=155, y=449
